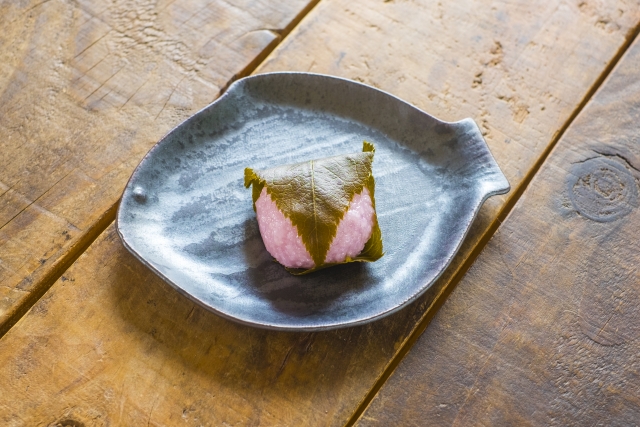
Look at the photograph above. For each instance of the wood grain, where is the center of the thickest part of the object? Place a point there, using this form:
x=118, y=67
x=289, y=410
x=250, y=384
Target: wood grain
x=545, y=328
x=111, y=344
x=86, y=88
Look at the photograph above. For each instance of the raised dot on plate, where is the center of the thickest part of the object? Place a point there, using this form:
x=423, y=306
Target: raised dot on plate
x=139, y=195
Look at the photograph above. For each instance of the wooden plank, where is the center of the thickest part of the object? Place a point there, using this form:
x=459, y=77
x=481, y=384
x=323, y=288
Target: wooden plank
x=110, y=341
x=545, y=327
x=86, y=89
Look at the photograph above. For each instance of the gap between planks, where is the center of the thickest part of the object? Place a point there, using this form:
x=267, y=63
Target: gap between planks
x=281, y=35
x=444, y=293
x=60, y=266
x=83, y=243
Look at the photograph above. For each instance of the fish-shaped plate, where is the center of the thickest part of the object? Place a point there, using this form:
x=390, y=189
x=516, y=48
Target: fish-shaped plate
x=186, y=214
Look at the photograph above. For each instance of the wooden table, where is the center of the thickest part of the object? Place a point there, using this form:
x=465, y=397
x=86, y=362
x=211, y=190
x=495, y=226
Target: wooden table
x=541, y=323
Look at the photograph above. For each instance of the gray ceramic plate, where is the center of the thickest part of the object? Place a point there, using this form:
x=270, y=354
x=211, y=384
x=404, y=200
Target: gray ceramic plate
x=186, y=214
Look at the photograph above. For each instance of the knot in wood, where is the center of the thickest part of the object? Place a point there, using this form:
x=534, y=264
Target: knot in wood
x=602, y=189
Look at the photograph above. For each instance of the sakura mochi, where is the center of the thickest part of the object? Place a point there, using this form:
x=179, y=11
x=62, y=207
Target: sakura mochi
x=318, y=213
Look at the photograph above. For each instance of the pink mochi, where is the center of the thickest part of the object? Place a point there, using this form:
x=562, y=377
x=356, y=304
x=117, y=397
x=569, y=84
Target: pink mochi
x=282, y=241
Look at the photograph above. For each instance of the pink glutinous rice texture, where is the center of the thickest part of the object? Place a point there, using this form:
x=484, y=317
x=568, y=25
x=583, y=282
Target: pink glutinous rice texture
x=354, y=230
x=279, y=235
x=282, y=241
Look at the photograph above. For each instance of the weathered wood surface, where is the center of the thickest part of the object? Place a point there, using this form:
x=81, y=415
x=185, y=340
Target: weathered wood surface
x=110, y=343
x=545, y=327
x=86, y=88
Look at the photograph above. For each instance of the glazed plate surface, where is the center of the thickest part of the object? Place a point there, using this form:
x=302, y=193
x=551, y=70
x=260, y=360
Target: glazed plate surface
x=186, y=214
